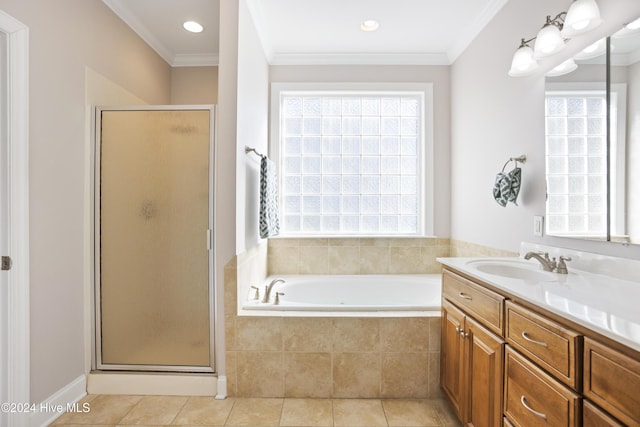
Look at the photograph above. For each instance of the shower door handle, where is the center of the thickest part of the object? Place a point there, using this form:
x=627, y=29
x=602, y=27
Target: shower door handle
x=6, y=263
x=209, y=239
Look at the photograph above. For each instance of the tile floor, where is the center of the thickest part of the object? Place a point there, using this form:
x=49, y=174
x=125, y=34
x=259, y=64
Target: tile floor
x=123, y=410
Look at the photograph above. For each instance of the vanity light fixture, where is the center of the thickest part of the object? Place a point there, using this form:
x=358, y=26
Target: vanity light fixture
x=523, y=62
x=549, y=41
x=629, y=29
x=635, y=25
x=369, y=25
x=193, y=27
x=583, y=16
x=565, y=68
x=592, y=51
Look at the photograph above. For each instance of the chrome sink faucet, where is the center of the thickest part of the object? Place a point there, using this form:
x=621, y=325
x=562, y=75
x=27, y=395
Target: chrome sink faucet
x=267, y=289
x=543, y=258
x=549, y=264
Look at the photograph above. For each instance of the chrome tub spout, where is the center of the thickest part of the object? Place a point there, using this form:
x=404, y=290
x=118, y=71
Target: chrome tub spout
x=267, y=289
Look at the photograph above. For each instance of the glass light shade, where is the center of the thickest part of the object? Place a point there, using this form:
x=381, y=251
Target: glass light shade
x=582, y=16
x=523, y=62
x=565, y=68
x=548, y=42
x=633, y=25
x=592, y=51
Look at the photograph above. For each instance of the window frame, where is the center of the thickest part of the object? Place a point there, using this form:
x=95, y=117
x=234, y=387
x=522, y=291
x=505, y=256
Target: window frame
x=425, y=154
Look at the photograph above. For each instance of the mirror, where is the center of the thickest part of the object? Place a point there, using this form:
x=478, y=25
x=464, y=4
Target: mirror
x=624, y=72
x=588, y=197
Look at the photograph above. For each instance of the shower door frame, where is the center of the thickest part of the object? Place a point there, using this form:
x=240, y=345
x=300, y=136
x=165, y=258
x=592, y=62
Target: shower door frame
x=97, y=363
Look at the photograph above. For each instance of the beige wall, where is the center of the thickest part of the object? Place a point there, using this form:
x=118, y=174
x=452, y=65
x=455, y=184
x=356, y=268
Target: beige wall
x=495, y=117
x=194, y=85
x=66, y=37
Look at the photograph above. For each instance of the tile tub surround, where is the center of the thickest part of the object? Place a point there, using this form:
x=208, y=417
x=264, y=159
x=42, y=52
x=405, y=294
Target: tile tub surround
x=356, y=255
x=262, y=366
x=113, y=410
x=334, y=357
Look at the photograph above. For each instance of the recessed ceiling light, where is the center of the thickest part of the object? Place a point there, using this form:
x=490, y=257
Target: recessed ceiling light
x=193, y=27
x=369, y=25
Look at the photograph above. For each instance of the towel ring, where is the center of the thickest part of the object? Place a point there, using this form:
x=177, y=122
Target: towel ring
x=521, y=159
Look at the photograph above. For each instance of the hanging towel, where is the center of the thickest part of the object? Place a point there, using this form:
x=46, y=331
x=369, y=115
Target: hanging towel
x=269, y=223
x=507, y=186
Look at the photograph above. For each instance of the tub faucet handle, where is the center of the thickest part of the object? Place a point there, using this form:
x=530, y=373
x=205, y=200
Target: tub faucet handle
x=256, y=294
x=277, y=299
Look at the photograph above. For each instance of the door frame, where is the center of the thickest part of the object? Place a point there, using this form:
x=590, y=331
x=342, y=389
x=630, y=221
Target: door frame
x=17, y=119
x=97, y=363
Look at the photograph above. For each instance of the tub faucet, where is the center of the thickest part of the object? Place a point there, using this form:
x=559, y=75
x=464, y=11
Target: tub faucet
x=267, y=289
x=547, y=264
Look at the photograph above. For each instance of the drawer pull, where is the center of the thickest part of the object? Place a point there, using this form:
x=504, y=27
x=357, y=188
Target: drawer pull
x=523, y=400
x=465, y=296
x=540, y=343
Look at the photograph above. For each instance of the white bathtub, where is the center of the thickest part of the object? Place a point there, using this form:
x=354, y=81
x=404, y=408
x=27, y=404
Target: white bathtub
x=352, y=293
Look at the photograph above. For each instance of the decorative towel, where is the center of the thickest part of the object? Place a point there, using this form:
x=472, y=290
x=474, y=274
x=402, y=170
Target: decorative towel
x=269, y=223
x=507, y=186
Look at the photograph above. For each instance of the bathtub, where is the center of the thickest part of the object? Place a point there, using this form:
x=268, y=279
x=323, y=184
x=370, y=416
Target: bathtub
x=407, y=294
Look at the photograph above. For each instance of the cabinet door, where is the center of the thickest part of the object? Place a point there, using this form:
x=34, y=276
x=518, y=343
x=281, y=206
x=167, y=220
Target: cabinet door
x=452, y=356
x=612, y=380
x=485, y=364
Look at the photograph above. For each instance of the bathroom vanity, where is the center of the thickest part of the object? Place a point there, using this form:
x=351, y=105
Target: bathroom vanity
x=526, y=347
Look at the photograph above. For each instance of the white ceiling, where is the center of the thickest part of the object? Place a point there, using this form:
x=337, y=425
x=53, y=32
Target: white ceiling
x=317, y=31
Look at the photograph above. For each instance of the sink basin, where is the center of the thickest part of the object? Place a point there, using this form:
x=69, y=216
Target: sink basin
x=512, y=269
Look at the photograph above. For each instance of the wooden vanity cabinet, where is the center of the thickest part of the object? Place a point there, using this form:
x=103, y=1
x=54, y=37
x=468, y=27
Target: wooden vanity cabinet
x=471, y=356
x=612, y=381
x=533, y=398
x=550, y=345
x=592, y=416
x=504, y=362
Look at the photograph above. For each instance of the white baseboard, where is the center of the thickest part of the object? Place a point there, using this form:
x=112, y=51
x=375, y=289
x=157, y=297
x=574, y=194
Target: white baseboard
x=55, y=405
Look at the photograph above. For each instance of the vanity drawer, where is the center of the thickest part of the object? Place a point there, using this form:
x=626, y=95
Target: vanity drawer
x=533, y=398
x=552, y=346
x=612, y=380
x=592, y=416
x=484, y=305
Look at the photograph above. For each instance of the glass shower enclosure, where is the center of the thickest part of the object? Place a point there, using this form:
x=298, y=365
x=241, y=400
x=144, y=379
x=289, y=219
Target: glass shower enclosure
x=153, y=239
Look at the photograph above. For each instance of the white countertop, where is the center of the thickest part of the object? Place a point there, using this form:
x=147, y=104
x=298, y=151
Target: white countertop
x=605, y=304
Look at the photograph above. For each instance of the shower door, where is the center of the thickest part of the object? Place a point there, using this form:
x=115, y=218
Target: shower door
x=153, y=239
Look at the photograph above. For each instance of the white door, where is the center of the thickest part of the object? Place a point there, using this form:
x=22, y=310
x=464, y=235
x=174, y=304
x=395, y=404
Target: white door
x=14, y=227
x=4, y=229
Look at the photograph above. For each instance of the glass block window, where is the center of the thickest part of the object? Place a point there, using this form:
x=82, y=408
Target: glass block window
x=576, y=163
x=350, y=162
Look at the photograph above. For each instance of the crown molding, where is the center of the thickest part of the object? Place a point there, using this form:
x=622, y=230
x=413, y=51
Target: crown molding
x=141, y=30
x=471, y=31
x=358, y=59
x=195, y=60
